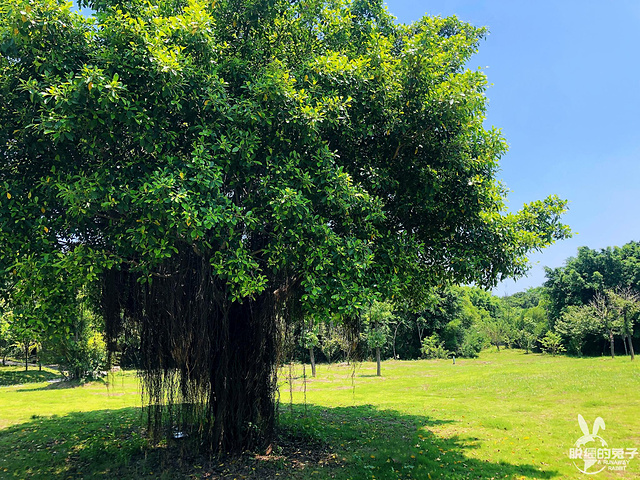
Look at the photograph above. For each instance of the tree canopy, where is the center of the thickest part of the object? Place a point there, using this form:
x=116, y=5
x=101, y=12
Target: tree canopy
x=221, y=167
x=592, y=271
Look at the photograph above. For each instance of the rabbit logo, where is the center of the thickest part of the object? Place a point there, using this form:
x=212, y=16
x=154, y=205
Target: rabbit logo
x=587, y=442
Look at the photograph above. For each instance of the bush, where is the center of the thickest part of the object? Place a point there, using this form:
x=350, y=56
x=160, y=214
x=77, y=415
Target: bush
x=432, y=347
x=552, y=343
x=82, y=356
x=472, y=344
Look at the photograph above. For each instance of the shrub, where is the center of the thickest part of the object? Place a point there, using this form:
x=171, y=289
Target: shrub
x=552, y=343
x=432, y=347
x=472, y=344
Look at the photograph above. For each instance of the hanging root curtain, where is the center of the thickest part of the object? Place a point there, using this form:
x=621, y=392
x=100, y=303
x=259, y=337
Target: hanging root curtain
x=209, y=364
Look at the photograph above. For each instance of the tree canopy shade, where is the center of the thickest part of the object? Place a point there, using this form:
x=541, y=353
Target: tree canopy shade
x=221, y=167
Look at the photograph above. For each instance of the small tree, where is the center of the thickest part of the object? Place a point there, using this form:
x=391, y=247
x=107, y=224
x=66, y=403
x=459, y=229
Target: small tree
x=626, y=303
x=432, y=348
x=377, y=327
x=552, y=343
x=24, y=333
x=574, y=325
x=496, y=331
x=309, y=340
x=607, y=317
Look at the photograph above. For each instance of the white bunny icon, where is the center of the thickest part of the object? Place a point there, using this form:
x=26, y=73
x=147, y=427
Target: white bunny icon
x=588, y=437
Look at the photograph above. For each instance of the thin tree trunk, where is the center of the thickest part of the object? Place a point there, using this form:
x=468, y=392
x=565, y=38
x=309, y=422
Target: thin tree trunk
x=313, y=362
x=378, y=360
x=633, y=355
x=26, y=357
x=395, y=334
x=611, y=343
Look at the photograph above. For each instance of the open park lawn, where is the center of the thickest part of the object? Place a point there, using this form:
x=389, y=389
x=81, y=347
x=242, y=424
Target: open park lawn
x=503, y=415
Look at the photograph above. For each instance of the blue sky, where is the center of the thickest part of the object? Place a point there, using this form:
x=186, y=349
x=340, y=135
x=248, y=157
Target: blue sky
x=565, y=91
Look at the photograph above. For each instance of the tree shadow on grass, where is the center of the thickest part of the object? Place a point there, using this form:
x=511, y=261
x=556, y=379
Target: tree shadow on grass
x=384, y=444
x=61, y=383
x=57, y=384
x=11, y=376
x=357, y=442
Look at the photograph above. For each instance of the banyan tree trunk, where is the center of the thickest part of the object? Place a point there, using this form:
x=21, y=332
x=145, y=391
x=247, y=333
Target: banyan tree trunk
x=633, y=354
x=208, y=364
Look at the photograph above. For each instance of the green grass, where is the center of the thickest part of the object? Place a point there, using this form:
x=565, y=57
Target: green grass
x=16, y=375
x=504, y=415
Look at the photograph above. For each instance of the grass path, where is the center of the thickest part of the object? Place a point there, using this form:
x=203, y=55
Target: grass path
x=504, y=415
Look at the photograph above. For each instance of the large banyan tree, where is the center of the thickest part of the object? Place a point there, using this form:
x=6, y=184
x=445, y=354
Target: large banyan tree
x=220, y=168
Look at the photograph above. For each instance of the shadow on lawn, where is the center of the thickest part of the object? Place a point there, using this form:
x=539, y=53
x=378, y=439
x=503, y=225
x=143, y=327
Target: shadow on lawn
x=383, y=444
x=11, y=376
x=357, y=442
x=61, y=383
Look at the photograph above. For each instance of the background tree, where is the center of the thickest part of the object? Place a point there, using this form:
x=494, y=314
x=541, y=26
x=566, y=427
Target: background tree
x=592, y=271
x=377, y=328
x=82, y=353
x=329, y=340
x=575, y=324
x=608, y=321
x=433, y=348
x=309, y=340
x=227, y=168
x=552, y=343
x=6, y=340
x=626, y=303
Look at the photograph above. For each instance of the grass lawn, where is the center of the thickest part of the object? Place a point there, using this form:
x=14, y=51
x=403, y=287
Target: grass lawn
x=15, y=375
x=504, y=415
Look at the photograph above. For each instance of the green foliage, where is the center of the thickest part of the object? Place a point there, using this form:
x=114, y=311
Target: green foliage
x=575, y=324
x=528, y=327
x=82, y=356
x=377, y=323
x=474, y=342
x=309, y=339
x=590, y=272
x=458, y=323
x=532, y=297
x=146, y=128
x=432, y=348
x=6, y=340
x=552, y=343
x=329, y=341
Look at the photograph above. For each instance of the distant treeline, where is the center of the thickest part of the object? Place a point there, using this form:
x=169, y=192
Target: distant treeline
x=590, y=306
